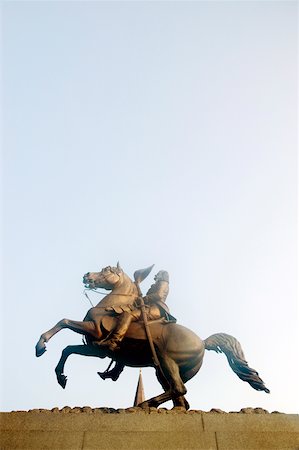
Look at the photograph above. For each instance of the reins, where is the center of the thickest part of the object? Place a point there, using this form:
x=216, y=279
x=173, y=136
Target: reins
x=84, y=292
x=101, y=293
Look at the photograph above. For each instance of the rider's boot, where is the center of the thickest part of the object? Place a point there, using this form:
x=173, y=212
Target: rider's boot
x=114, y=373
x=117, y=335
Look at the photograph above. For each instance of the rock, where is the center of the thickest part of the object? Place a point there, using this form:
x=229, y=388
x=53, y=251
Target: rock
x=86, y=409
x=179, y=409
x=162, y=410
x=260, y=411
x=66, y=409
x=133, y=409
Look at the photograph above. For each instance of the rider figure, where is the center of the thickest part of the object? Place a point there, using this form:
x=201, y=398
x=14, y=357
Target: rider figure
x=156, y=296
x=155, y=308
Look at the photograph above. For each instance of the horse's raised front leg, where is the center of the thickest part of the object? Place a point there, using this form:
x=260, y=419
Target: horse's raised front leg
x=88, y=327
x=86, y=350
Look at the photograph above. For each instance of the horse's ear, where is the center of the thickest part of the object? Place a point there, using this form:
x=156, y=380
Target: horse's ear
x=119, y=269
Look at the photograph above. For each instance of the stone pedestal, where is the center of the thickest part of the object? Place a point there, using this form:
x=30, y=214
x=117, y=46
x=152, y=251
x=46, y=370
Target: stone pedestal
x=133, y=428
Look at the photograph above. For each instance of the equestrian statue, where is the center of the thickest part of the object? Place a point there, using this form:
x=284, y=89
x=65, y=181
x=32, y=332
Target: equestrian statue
x=139, y=331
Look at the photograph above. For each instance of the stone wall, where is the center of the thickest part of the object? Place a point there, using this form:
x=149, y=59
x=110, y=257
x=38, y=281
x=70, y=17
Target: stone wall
x=134, y=428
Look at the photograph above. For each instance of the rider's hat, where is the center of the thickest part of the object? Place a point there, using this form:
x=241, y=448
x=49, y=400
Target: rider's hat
x=162, y=275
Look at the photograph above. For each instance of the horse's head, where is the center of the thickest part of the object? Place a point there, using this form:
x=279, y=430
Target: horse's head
x=106, y=279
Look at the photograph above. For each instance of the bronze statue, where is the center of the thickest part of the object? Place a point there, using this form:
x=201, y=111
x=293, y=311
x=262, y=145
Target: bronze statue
x=138, y=332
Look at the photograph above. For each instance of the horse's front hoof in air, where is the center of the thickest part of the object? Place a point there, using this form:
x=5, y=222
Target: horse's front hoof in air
x=40, y=347
x=62, y=379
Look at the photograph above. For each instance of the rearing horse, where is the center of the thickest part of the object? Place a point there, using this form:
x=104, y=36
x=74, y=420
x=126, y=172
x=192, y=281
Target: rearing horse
x=179, y=350
x=123, y=294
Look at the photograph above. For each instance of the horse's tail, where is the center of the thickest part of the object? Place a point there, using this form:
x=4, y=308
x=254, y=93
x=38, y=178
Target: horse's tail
x=232, y=349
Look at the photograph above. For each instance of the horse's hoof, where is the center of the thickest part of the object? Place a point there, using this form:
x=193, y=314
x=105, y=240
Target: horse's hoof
x=179, y=408
x=62, y=379
x=40, y=348
x=144, y=405
x=187, y=406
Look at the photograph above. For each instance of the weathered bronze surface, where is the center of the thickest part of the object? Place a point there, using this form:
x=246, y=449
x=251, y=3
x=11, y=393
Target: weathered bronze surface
x=139, y=331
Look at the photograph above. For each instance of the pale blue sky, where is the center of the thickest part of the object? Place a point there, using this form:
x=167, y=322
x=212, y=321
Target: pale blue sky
x=151, y=132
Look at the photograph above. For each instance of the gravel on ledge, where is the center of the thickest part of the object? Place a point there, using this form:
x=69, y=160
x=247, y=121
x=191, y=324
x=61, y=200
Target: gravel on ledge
x=137, y=409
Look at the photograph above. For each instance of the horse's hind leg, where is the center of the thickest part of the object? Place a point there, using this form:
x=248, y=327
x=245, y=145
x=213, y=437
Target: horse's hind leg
x=86, y=350
x=178, y=401
x=181, y=401
x=162, y=398
x=88, y=327
x=175, y=389
x=172, y=374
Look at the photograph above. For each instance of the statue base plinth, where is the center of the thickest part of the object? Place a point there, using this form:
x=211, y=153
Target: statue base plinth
x=134, y=428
